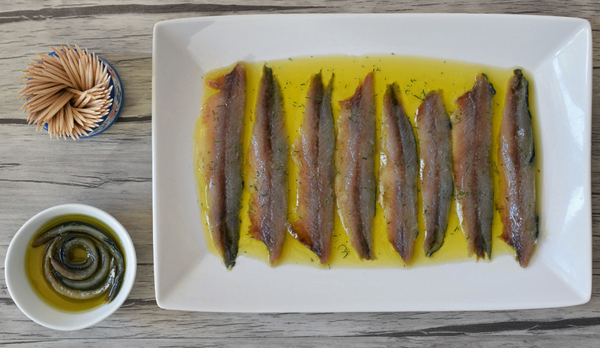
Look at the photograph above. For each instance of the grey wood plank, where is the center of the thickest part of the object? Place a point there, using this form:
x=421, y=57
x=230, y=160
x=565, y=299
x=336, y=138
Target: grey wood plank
x=366, y=342
x=96, y=172
x=144, y=322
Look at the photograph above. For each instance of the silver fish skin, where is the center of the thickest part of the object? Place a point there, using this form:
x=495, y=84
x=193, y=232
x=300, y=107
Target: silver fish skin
x=315, y=204
x=516, y=155
x=471, y=154
x=221, y=160
x=268, y=168
x=355, y=185
x=435, y=144
x=398, y=175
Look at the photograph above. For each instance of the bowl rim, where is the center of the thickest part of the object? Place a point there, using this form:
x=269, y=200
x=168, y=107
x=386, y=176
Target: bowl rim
x=14, y=256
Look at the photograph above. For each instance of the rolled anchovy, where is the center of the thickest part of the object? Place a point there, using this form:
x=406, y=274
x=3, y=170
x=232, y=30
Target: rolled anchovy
x=90, y=283
x=69, y=242
x=75, y=293
x=101, y=271
x=74, y=270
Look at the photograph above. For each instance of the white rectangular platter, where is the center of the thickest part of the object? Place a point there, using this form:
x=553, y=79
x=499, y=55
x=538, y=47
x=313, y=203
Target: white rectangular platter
x=555, y=51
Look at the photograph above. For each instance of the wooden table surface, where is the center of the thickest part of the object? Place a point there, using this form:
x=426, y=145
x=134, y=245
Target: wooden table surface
x=113, y=173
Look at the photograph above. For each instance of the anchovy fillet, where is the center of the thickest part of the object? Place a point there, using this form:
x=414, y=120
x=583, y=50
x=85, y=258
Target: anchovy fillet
x=315, y=204
x=435, y=145
x=398, y=175
x=355, y=185
x=471, y=150
x=268, y=163
x=221, y=160
x=517, y=168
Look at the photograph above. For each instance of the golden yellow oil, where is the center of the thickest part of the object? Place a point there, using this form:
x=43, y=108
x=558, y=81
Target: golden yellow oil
x=415, y=77
x=35, y=272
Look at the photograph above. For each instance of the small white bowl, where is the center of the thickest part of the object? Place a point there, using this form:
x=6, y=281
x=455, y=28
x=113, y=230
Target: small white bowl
x=26, y=298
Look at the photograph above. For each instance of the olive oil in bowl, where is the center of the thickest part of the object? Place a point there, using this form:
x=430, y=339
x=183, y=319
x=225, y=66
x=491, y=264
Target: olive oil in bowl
x=40, y=282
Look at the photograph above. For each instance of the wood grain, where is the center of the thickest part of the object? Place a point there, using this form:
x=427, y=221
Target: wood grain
x=37, y=172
